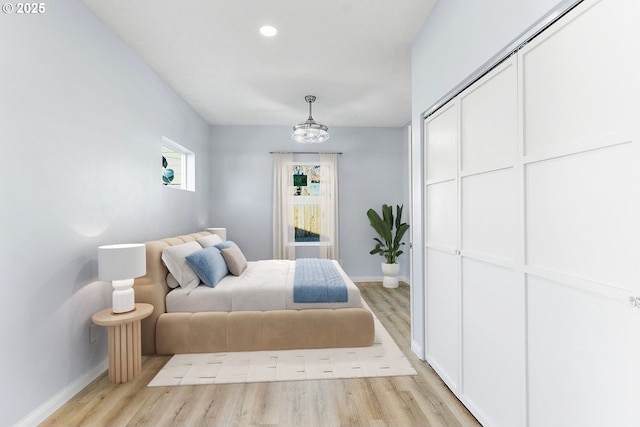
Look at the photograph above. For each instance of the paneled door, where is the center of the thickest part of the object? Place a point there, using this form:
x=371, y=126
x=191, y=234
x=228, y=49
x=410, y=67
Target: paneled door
x=474, y=290
x=492, y=284
x=442, y=292
x=532, y=229
x=581, y=115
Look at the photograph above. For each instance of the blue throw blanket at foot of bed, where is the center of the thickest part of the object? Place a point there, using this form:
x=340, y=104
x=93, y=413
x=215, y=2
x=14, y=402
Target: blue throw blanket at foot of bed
x=318, y=280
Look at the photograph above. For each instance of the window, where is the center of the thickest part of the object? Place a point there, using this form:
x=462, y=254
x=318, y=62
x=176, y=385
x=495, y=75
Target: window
x=172, y=167
x=306, y=203
x=178, y=166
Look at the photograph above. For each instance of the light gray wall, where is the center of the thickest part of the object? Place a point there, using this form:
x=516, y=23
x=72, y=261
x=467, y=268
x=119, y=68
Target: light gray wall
x=457, y=38
x=372, y=171
x=81, y=122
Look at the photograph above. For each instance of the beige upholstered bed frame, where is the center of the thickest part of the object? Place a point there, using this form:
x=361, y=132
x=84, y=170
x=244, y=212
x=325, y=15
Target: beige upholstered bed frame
x=171, y=333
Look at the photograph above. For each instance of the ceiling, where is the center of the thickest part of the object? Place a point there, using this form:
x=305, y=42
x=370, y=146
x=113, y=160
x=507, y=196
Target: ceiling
x=354, y=55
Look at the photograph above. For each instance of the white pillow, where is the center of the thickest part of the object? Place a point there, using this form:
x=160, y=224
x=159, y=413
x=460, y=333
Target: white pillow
x=174, y=259
x=208, y=241
x=172, y=282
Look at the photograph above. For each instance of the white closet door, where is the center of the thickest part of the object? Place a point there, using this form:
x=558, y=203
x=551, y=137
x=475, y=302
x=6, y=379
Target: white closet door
x=493, y=351
x=532, y=214
x=581, y=120
x=442, y=293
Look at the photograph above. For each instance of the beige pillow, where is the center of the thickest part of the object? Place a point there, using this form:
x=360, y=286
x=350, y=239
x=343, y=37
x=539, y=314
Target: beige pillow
x=236, y=262
x=208, y=241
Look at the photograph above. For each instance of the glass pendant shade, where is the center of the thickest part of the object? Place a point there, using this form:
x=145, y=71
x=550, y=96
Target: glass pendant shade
x=310, y=131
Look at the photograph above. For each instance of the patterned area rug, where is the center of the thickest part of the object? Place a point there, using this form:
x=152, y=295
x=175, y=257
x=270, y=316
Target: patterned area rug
x=383, y=359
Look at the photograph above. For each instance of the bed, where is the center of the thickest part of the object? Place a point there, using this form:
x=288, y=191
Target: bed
x=201, y=319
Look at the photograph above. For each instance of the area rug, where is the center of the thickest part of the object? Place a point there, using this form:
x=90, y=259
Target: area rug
x=383, y=359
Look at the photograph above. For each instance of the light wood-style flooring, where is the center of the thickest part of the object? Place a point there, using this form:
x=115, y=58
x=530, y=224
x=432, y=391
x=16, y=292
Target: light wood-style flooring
x=421, y=400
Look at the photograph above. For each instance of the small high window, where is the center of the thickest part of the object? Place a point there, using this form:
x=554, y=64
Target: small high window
x=178, y=166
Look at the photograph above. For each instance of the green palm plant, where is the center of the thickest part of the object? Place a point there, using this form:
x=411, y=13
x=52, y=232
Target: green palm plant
x=390, y=229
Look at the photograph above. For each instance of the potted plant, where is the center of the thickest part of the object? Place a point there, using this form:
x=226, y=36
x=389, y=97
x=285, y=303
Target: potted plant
x=391, y=231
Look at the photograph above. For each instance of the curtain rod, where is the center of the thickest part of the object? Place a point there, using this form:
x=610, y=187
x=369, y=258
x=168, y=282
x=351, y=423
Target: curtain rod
x=305, y=152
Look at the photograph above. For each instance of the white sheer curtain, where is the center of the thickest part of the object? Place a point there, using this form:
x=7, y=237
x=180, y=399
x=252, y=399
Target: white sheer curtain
x=329, y=206
x=283, y=229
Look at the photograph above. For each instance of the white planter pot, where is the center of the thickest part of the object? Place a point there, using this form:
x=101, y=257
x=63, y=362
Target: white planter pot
x=390, y=272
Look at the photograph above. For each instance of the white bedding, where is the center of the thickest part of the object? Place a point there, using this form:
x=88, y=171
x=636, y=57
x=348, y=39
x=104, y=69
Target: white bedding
x=265, y=285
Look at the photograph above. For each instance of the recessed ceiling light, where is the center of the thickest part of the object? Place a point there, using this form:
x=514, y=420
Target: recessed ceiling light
x=268, y=31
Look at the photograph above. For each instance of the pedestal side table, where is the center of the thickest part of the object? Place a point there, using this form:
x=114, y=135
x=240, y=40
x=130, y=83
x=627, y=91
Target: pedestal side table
x=125, y=351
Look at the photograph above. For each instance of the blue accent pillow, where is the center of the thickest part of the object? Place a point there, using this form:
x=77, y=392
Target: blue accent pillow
x=209, y=265
x=224, y=245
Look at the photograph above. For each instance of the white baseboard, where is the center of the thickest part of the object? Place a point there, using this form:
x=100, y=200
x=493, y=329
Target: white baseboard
x=63, y=396
x=417, y=349
x=366, y=279
x=377, y=279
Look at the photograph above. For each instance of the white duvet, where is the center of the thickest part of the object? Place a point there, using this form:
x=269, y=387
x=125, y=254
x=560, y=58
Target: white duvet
x=265, y=285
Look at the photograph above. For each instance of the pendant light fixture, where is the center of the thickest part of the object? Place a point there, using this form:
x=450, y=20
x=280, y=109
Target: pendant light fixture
x=310, y=131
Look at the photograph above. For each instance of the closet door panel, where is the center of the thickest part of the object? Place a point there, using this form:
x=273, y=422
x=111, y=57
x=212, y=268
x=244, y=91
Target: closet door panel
x=489, y=121
x=443, y=326
x=489, y=212
x=580, y=351
x=442, y=292
x=582, y=216
x=581, y=80
x=442, y=202
x=580, y=106
x=493, y=341
x=441, y=138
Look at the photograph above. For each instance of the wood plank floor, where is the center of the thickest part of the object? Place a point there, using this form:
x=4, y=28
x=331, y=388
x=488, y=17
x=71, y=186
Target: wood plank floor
x=422, y=400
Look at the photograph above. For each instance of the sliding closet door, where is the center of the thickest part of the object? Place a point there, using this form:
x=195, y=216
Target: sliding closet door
x=474, y=293
x=533, y=229
x=581, y=113
x=493, y=368
x=442, y=293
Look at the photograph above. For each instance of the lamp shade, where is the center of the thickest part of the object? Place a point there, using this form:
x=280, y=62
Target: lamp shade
x=220, y=231
x=117, y=262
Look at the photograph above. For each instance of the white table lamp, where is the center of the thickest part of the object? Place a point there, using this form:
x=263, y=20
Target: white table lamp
x=220, y=231
x=121, y=264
